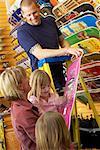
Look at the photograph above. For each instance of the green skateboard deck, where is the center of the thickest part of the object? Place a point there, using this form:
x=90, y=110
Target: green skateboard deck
x=84, y=34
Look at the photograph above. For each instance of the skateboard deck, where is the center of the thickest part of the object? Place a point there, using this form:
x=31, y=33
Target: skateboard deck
x=18, y=49
x=91, y=57
x=79, y=24
x=25, y=63
x=2, y=139
x=98, y=24
x=21, y=56
x=84, y=7
x=89, y=45
x=82, y=35
x=91, y=74
x=67, y=5
x=76, y=17
x=91, y=70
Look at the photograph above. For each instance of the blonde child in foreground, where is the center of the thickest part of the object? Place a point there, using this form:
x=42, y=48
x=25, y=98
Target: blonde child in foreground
x=40, y=94
x=52, y=133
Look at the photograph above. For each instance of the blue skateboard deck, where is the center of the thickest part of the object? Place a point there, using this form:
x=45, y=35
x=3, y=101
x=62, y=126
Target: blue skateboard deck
x=79, y=24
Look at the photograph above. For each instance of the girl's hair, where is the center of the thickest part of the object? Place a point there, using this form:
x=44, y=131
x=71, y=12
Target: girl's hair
x=9, y=82
x=51, y=132
x=38, y=79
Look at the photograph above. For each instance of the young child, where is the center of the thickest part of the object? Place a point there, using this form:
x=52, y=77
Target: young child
x=52, y=133
x=41, y=96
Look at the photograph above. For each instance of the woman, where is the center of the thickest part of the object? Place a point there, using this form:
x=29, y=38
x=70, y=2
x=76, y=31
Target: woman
x=14, y=87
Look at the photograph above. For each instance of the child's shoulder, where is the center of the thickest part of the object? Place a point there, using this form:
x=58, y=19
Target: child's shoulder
x=33, y=99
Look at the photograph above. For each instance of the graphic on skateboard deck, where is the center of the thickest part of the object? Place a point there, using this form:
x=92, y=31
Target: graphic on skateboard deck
x=79, y=24
x=67, y=5
x=83, y=8
x=82, y=35
x=89, y=45
x=91, y=57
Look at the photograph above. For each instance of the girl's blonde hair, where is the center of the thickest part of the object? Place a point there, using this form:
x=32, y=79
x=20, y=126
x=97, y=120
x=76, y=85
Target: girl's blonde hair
x=38, y=79
x=9, y=82
x=51, y=132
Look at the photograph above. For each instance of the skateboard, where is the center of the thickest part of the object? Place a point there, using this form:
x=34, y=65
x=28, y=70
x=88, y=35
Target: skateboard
x=91, y=69
x=21, y=56
x=82, y=35
x=67, y=5
x=2, y=139
x=84, y=7
x=97, y=10
x=98, y=24
x=25, y=63
x=79, y=24
x=76, y=17
x=91, y=57
x=89, y=45
x=18, y=49
x=3, y=45
x=83, y=99
x=15, y=42
x=91, y=75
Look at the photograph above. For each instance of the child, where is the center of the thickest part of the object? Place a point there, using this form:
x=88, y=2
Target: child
x=52, y=133
x=41, y=96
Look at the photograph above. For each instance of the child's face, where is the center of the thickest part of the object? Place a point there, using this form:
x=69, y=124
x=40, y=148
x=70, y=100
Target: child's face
x=45, y=91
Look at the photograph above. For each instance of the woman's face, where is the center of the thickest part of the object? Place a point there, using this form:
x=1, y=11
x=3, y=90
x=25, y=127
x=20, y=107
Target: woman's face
x=25, y=85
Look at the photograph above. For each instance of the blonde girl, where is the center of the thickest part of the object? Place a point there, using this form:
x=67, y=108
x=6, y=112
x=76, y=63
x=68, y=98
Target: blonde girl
x=14, y=87
x=40, y=94
x=52, y=133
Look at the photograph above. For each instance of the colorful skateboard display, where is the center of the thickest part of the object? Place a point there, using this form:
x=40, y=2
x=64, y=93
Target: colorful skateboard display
x=79, y=24
x=82, y=35
x=89, y=45
x=84, y=7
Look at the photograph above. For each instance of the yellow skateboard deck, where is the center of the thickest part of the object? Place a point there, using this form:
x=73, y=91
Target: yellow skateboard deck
x=90, y=45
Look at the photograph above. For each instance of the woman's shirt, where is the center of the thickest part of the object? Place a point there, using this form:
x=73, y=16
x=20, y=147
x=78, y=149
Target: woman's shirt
x=24, y=116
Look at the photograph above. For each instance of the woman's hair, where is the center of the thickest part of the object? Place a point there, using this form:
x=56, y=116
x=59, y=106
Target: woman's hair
x=51, y=132
x=9, y=82
x=38, y=79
